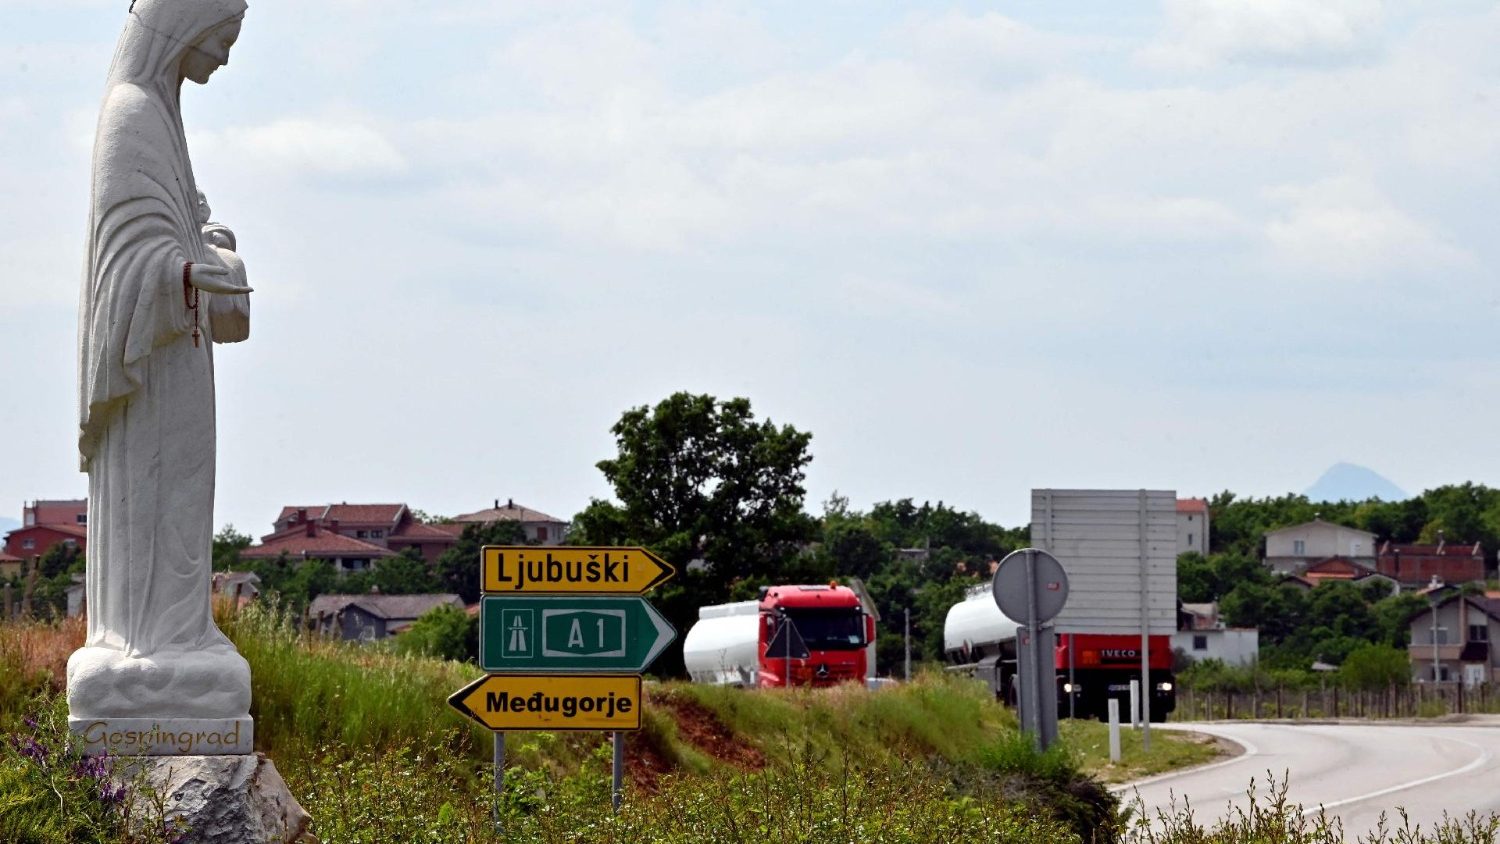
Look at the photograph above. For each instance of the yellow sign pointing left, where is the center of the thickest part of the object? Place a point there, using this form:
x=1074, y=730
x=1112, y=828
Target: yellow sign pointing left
x=550, y=702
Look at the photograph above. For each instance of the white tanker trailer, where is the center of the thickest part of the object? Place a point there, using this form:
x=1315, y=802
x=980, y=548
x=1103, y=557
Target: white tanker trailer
x=978, y=636
x=722, y=648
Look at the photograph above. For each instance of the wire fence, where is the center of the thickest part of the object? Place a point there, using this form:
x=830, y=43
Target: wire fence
x=1417, y=700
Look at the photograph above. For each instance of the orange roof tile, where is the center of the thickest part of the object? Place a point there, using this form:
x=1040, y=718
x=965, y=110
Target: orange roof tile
x=297, y=543
x=1192, y=505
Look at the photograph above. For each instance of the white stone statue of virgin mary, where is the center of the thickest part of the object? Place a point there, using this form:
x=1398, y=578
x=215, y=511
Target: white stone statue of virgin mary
x=155, y=676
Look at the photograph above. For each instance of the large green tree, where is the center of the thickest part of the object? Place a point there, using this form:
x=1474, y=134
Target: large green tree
x=704, y=482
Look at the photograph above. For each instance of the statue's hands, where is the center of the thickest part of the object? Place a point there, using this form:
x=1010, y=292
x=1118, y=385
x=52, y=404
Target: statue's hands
x=212, y=279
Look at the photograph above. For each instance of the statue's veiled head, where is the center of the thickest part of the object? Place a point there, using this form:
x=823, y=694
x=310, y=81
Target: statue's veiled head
x=168, y=40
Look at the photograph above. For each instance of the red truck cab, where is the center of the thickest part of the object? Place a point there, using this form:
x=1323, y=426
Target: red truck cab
x=816, y=635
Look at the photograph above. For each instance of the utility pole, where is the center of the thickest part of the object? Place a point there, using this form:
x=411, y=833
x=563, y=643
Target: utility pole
x=907, y=614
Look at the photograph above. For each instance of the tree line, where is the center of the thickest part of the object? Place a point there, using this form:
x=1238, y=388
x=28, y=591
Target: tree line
x=720, y=494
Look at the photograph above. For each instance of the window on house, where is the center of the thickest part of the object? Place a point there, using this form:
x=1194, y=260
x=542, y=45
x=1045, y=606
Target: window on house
x=1479, y=632
x=28, y=544
x=71, y=542
x=377, y=534
x=1299, y=547
x=83, y=518
x=364, y=534
x=541, y=534
x=1190, y=542
x=1442, y=636
x=1200, y=643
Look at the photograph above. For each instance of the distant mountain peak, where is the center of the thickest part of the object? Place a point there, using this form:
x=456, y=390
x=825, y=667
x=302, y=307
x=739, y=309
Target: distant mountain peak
x=1348, y=482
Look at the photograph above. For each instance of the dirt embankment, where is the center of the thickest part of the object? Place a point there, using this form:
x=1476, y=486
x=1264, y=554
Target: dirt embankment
x=646, y=762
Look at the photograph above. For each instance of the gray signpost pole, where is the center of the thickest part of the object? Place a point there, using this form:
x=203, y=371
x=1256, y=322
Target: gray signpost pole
x=499, y=777
x=619, y=773
x=1038, y=676
x=1031, y=585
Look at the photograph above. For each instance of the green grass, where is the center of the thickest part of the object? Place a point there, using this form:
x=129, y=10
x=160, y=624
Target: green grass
x=366, y=739
x=1170, y=750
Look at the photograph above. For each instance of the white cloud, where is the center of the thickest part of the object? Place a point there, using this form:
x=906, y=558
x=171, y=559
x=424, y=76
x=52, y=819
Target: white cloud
x=1347, y=228
x=1202, y=33
x=328, y=147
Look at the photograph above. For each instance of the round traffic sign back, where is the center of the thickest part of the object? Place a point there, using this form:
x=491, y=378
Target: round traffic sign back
x=1049, y=582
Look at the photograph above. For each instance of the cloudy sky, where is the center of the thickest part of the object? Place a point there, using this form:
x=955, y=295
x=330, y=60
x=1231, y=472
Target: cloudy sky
x=974, y=248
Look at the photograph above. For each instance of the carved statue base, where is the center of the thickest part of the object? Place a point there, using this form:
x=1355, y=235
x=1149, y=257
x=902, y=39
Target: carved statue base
x=144, y=705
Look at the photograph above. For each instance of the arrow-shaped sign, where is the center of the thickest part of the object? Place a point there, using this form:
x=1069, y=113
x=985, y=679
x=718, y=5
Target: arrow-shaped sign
x=552, y=702
x=622, y=635
x=533, y=570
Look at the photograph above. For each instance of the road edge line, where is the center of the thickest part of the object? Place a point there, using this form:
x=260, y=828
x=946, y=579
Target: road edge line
x=1249, y=749
x=1485, y=757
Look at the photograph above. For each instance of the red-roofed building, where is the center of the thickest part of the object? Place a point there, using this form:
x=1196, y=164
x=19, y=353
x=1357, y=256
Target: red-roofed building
x=310, y=541
x=1192, y=525
x=538, y=526
x=37, y=540
x=1417, y=565
x=45, y=524
x=388, y=526
x=72, y=511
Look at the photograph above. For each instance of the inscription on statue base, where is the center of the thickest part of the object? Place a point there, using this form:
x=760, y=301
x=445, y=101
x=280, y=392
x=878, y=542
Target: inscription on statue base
x=165, y=736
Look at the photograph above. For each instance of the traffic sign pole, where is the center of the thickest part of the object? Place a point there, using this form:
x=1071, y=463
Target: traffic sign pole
x=499, y=778
x=617, y=794
x=565, y=609
x=1030, y=585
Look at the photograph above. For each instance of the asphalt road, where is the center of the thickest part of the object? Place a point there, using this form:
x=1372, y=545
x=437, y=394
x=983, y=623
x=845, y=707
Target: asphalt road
x=1353, y=771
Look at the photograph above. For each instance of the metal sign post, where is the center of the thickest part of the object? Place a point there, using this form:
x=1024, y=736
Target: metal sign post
x=562, y=637
x=499, y=778
x=617, y=792
x=1031, y=586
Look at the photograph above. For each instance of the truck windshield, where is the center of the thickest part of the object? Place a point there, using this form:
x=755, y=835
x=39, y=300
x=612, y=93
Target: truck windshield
x=830, y=630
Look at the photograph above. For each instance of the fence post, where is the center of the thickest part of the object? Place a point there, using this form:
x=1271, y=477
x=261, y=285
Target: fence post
x=1278, y=703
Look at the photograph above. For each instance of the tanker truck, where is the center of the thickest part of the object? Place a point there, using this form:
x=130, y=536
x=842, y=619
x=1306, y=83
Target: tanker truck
x=812, y=635
x=1090, y=668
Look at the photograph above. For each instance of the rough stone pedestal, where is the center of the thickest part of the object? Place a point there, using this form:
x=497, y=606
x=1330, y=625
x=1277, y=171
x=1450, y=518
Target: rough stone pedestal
x=222, y=799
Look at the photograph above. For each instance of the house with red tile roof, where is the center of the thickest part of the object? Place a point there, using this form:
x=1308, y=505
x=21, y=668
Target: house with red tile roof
x=1192, y=525
x=539, y=527
x=71, y=511
x=1416, y=565
x=311, y=541
x=388, y=526
x=1343, y=568
x=37, y=540
x=45, y=524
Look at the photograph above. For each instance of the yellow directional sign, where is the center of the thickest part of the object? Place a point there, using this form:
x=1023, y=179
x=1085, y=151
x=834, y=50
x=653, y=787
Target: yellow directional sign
x=533, y=570
x=551, y=702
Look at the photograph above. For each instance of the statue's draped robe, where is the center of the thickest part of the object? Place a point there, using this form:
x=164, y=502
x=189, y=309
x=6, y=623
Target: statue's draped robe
x=146, y=390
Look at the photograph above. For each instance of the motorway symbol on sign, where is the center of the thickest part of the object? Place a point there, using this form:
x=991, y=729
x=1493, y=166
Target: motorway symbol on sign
x=623, y=634
x=552, y=702
x=531, y=570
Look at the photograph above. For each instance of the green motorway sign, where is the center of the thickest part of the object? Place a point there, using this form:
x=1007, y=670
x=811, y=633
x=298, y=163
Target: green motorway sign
x=615, y=634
